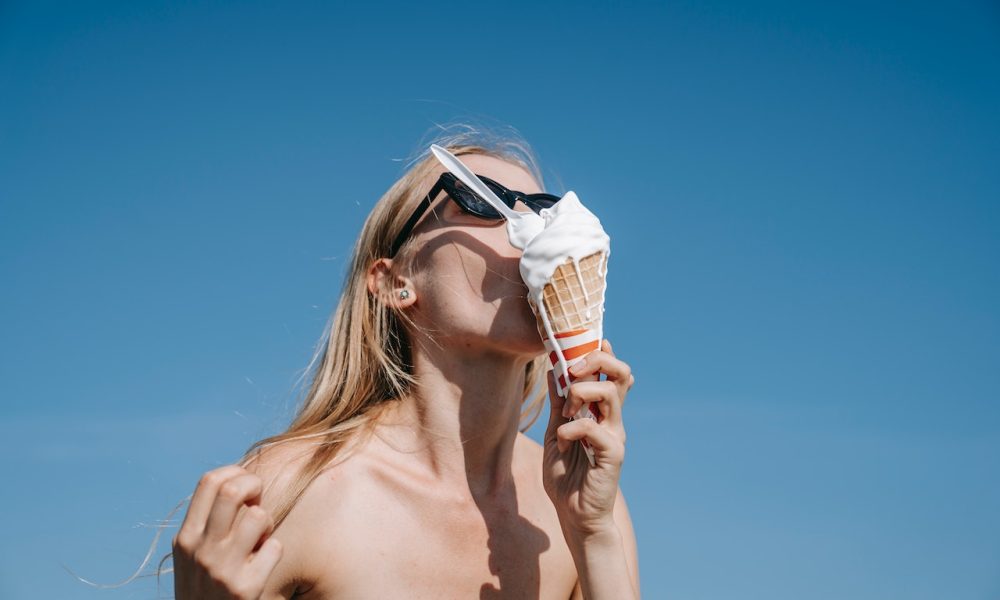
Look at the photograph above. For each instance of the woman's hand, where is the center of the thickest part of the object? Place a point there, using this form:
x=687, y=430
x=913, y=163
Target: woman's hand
x=223, y=549
x=584, y=496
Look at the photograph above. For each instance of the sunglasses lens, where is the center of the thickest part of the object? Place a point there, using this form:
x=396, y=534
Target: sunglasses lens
x=471, y=202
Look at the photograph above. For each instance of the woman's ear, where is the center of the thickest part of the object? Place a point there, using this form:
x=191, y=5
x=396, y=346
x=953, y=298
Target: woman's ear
x=392, y=290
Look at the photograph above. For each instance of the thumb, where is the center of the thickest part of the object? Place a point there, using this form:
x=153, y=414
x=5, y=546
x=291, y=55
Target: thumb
x=556, y=403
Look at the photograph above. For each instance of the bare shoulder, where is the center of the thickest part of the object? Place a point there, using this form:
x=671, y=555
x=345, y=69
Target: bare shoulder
x=300, y=533
x=279, y=466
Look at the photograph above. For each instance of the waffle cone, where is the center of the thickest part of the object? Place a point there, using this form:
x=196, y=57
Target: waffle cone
x=566, y=304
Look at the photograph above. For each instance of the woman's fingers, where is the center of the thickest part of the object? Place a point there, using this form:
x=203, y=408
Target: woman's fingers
x=600, y=361
x=233, y=494
x=604, y=442
x=202, y=500
x=253, y=523
x=262, y=563
x=602, y=393
x=605, y=399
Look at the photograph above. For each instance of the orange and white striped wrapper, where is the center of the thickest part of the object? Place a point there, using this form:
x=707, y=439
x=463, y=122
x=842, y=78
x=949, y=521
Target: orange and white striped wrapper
x=574, y=346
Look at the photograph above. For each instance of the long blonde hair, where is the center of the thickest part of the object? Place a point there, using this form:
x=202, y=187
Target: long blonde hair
x=363, y=358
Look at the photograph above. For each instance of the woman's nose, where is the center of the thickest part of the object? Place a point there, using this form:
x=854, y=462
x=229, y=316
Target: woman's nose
x=521, y=207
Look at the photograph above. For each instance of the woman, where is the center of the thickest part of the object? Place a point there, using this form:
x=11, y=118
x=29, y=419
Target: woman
x=404, y=473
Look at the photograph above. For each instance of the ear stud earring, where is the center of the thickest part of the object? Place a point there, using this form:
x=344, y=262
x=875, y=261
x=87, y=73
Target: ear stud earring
x=404, y=294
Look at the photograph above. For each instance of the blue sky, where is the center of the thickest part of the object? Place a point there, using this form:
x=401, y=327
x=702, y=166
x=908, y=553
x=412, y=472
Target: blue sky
x=803, y=204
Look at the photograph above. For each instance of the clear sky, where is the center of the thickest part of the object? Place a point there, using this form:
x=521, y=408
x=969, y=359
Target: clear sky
x=803, y=204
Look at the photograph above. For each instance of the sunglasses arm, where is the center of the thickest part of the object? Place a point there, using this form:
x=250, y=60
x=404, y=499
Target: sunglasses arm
x=412, y=222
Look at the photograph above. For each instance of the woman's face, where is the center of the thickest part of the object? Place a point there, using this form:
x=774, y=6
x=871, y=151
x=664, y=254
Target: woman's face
x=469, y=290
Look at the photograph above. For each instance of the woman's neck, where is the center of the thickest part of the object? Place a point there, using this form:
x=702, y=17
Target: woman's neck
x=461, y=422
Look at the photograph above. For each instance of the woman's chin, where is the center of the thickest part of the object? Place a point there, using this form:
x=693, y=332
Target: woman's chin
x=525, y=340
x=533, y=341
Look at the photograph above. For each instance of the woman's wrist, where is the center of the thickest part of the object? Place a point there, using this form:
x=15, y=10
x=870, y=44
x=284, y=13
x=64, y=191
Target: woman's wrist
x=599, y=554
x=594, y=531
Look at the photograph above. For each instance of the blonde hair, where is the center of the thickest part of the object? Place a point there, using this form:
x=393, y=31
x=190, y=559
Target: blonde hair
x=363, y=357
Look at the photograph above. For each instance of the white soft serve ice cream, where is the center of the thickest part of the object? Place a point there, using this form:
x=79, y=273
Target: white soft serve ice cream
x=571, y=231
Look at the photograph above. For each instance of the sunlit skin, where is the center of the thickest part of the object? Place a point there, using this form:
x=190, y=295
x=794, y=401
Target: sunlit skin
x=448, y=499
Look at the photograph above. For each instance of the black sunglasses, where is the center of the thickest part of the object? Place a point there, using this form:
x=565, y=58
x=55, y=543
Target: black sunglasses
x=471, y=203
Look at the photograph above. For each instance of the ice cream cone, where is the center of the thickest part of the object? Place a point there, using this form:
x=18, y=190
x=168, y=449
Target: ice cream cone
x=573, y=306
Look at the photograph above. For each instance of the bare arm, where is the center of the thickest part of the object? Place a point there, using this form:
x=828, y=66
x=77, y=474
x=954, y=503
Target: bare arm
x=607, y=559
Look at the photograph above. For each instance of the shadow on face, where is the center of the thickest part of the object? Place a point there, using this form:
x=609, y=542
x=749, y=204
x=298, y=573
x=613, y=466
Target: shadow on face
x=472, y=295
x=466, y=273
